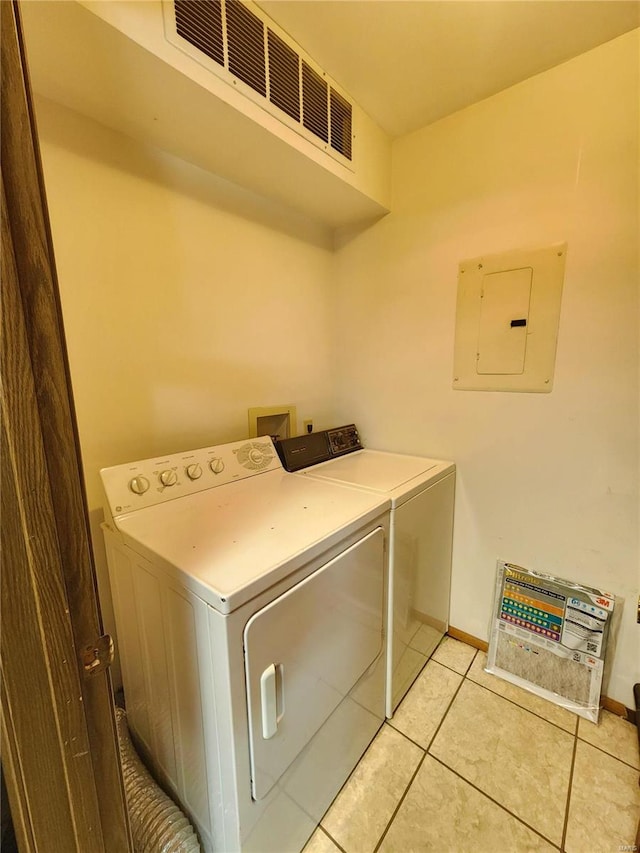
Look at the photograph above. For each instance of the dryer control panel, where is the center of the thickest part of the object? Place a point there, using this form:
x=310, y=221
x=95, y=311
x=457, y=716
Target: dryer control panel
x=306, y=450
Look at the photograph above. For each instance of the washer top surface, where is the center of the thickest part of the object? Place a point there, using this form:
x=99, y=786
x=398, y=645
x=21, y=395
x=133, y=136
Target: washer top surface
x=395, y=475
x=231, y=543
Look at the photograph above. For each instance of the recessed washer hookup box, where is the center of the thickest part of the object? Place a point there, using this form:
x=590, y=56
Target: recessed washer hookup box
x=549, y=636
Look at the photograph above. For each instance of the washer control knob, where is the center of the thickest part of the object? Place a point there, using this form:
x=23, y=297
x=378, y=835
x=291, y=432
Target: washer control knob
x=217, y=465
x=194, y=471
x=168, y=477
x=139, y=485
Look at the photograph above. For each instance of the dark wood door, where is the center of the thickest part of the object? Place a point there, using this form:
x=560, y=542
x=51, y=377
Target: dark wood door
x=59, y=746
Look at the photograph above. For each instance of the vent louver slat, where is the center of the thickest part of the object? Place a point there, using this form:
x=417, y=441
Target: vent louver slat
x=340, y=124
x=245, y=44
x=200, y=23
x=284, y=76
x=315, y=104
x=233, y=36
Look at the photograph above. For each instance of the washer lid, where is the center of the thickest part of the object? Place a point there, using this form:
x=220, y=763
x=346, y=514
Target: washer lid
x=374, y=469
x=231, y=543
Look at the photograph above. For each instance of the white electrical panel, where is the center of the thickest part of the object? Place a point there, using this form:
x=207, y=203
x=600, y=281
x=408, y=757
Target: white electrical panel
x=507, y=320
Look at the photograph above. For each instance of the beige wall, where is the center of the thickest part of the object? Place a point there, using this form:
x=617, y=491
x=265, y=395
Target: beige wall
x=549, y=481
x=185, y=299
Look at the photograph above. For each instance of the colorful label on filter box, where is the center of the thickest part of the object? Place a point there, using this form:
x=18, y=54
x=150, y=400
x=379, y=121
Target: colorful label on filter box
x=574, y=616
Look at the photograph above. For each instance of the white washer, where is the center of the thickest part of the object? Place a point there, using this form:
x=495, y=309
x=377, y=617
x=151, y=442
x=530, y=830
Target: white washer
x=250, y=611
x=421, y=491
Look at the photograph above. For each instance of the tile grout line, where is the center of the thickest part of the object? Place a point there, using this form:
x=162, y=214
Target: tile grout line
x=404, y=735
x=480, y=791
x=551, y=722
x=387, y=722
x=465, y=677
x=451, y=770
x=568, y=805
x=320, y=825
x=330, y=837
x=457, y=671
x=426, y=751
x=415, y=742
x=513, y=702
x=421, y=762
x=610, y=754
x=400, y=801
x=453, y=698
x=494, y=801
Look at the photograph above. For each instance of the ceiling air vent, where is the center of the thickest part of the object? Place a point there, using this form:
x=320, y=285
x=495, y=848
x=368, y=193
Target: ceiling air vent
x=245, y=45
x=315, y=104
x=284, y=76
x=248, y=49
x=340, y=124
x=200, y=23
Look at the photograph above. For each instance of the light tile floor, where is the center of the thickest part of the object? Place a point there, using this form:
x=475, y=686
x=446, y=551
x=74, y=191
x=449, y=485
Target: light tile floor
x=472, y=763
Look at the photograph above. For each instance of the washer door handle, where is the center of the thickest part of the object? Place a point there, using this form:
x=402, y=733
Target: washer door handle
x=272, y=690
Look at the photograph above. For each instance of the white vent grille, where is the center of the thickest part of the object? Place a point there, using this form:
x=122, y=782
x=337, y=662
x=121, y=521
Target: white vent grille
x=340, y=124
x=200, y=23
x=284, y=76
x=315, y=104
x=242, y=44
x=245, y=45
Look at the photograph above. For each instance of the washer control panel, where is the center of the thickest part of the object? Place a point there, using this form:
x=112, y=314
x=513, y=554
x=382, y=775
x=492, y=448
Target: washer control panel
x=343, y=439
x=142, y=484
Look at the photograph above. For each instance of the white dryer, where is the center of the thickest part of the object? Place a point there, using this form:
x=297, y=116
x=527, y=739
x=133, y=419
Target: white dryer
x=421, y=491
x=249, y=611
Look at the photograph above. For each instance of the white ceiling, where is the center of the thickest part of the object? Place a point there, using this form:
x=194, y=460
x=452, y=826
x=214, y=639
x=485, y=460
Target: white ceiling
x=408, y=63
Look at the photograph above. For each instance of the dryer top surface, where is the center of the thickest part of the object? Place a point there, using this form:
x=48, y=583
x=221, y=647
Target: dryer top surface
x=233, y=542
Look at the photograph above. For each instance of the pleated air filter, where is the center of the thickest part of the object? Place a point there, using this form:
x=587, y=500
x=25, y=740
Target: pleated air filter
x=245, y=46
x=550, y=636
